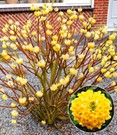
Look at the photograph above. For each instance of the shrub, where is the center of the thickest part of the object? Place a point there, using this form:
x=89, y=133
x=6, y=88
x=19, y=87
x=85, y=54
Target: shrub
x=62, y=60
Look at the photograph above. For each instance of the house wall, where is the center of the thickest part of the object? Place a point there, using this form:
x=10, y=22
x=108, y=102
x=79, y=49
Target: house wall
x=101, y=11
x=22, y=17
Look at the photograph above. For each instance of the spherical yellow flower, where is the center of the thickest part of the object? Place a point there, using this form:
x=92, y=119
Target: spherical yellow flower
x=96, y=37
x=8, y=76
x=41, y=63
x=53, y=87
x=113, y=83
x=31, y=99
x=73, y=17
x=56, y=9
x=70, y=91
x=91, y=44
x=22, y=101
x=99, y=79
x=55, y=37
x=84, y=24
x=103, y=70
x=112, y=69
x=39, y=94
x=107, y=74
x=36, y=49
x=7, y=57
x=13, y=121
x=81, y=56
x=79, y=9
x=65, y=56
x=19, y=61
x=69, y=22
x=53, y=42
x=13, y=46
x=14, y=113
x=91, y=109
x=64, y=80
x=30, y=48
x=67, y=42
x=43, y=122
x=69, y=11
x=71, y=48
x=4, y=97
x=4, y=53
x=99, y=56
x=57, y=47
x=49, y=32
x=81, y=17
x=73, y=71
x=83, y=31
x=88, y=34
x=60, y=13
x=92, y=20
x=91, y=69
x=13, y=105
x=48, y=26
x=13, y=38
x=37, y=13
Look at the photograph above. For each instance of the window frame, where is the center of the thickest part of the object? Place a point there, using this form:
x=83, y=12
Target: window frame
x=64, y=4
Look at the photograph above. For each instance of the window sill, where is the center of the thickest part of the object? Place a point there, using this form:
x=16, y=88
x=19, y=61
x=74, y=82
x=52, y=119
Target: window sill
x=26, y=7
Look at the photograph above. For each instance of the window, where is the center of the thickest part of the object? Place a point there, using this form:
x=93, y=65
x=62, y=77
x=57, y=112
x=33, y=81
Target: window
x=60, y=3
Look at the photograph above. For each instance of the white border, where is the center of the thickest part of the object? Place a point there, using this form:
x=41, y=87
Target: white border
x=21, y=5
x=112, y=29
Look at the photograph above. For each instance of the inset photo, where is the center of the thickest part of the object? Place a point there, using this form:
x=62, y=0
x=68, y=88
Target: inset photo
x=91, y=109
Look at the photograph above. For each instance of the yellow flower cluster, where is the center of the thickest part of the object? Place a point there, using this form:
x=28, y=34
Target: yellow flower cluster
x=91, y=109
x=21, y=80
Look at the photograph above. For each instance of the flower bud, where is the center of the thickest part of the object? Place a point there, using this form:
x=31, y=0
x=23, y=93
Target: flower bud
x=39, y=94
x=41, y=63
x=43, y=122
x=79, y=9
x=57, y=47
x=36, y=49
x=91, y=69
x=65, y=57
x=19, y=61
x=53, y=87
x=49, y=32
x=13, y=121
x=13, y=105
x=113, y=83
x=81, y=17
x=4, y=97
x=70, y=91
x=91, y=44
x=99, y=79
x=73, y=71
x=8, y=76
x=14, y=113
x=88, y=34
x=22, y=101
x=13, y=38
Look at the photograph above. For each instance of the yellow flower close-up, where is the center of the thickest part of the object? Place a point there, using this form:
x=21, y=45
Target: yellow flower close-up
x=91, y=109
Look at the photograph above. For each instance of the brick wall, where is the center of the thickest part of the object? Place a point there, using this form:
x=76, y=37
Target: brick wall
x=101, y=11
x=22, y=17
